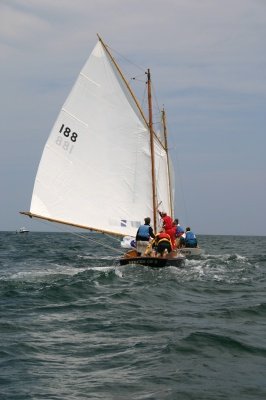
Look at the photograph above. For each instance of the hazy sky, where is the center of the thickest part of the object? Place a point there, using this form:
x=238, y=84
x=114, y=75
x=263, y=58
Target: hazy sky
x=208, y=60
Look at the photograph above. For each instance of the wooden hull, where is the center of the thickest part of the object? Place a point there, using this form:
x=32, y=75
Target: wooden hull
x=175, y=260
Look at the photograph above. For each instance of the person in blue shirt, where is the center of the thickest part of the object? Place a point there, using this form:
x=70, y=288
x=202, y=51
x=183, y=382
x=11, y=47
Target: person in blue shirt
x=189, y=240
x=144, y=233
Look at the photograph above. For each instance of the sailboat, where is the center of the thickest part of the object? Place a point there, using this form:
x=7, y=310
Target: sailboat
x=103, y=167
x=22, y=230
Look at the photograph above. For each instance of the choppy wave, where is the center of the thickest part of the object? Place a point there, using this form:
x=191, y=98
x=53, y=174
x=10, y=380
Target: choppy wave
x=76, y=325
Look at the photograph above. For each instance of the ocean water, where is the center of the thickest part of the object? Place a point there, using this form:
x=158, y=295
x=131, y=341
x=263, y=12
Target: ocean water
x=76, y=325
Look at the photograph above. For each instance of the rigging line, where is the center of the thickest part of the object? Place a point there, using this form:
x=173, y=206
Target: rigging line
x=83, y=237
x=155, y=112
x=126, y=59
x=144, y=108
x=95, y=241
x=112, y=237
x=144, y=96
x=136, y=78
x=155, y=97
x=115, y=60
x=181, y=185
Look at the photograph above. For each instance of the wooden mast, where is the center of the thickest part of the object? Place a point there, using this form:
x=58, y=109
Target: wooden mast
x=168, y=163
x=152, y=153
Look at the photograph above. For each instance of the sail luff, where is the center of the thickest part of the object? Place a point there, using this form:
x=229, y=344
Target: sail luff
x=152, y=153
x=32, y=215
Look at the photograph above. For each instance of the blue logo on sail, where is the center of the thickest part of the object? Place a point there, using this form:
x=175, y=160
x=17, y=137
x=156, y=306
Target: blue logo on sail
x=123, y=223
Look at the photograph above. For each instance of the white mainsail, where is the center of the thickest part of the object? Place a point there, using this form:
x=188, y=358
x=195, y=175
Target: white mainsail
x=95, y=170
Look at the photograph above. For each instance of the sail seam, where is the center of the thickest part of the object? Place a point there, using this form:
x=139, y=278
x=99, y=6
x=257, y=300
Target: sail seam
x=73, y=116
x=90, y=80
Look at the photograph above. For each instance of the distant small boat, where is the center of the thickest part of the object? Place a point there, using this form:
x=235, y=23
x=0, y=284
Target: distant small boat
x=22, y=230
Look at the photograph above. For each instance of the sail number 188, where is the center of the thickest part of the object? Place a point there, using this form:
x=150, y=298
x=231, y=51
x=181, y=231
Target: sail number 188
x=68, y=133
x=70, y=136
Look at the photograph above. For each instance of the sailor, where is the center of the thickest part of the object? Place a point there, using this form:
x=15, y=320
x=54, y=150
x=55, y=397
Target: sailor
x=172, y=233
x=166, y=220
x=162, y=243
x=179, y=232
x=144, y=233
x=190, y=239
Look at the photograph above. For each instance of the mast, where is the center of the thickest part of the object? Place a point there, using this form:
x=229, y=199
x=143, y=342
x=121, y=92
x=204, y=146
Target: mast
x=167, y=157
x=152, y=152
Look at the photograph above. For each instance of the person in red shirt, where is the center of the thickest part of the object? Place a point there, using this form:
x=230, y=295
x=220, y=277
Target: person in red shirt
x=169, y=227
x=166, y=220
x=172, y=233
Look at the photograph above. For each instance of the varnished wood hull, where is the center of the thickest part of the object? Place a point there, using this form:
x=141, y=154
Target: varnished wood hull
x=155, y=262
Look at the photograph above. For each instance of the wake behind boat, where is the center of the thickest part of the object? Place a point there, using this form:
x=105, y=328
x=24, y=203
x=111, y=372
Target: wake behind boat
x=104, y=168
